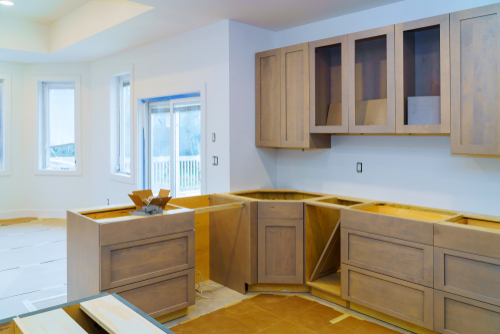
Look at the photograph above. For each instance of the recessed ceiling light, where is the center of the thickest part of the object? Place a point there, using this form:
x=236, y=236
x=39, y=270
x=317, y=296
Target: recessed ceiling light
x=7, y=3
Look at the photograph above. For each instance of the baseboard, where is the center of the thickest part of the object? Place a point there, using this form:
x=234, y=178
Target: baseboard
x=32, y=213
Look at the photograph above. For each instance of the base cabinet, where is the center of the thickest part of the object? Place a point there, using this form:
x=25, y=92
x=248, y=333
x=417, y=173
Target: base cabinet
x=281, y=251
x=403, y=300
x=459, y=315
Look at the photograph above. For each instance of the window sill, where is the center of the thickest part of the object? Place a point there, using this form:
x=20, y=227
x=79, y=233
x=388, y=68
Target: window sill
x=121, y=178
x=53, y=172
x=4, y=172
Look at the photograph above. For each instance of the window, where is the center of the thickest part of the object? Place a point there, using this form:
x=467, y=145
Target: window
x=5, y=113
x=123, y=163
x=2, y=125
x=58, y=122
x=174, y=146
x=121, y=121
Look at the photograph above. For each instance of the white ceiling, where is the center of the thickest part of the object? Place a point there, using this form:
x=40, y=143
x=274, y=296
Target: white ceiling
x=172, y=17
x=40, y=11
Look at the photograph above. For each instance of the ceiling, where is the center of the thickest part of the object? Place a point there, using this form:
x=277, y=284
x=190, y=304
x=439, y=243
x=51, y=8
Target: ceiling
x=168, y=18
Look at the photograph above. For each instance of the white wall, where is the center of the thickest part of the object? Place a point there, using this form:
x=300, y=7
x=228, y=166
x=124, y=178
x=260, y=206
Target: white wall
x=11, y=186
x=251, y=168
x=55, y=193
x=182, y=63
x=412, y=170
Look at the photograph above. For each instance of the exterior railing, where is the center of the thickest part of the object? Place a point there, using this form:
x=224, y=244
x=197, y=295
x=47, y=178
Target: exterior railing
x=188, y=174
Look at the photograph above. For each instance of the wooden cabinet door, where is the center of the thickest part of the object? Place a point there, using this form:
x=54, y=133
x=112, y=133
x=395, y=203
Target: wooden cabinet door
x=371, y=81
x=267, y=98
x=281, y=251
x=475, y=86
x=422, y=58
x=295, y=96
x=329, y=112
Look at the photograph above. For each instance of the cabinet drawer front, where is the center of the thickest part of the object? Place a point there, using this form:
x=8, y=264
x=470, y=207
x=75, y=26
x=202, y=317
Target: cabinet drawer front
x=468, y=275
x=459, y=315
x=400, y=228
x=403, y=300
x=172, y=221
x=474, y=240
x=160, y=295
x=281, y=210
x=281, y=251
x=139, y=260
x=405, y=260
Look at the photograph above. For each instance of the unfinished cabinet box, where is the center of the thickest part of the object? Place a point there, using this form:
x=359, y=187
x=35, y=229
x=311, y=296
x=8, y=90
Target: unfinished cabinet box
x=475, y=86
x=149, y=261
x=459, y=315
x=403, y=300
x=404, y=222
x=268, y=98
x=371, y=81
x=422, y=61
x=396, y=258
x=328, y=85
x=282, y=100
x=281, y=251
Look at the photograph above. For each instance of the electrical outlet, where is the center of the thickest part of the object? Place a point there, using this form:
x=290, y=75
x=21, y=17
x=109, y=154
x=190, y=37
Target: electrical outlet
x=359, y=167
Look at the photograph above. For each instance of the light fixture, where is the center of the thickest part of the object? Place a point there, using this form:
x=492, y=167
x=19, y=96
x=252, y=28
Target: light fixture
x=7, y=3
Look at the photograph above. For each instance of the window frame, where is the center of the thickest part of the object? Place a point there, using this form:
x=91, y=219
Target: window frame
x=6, y=115
x=41, y=122
x=116, y=125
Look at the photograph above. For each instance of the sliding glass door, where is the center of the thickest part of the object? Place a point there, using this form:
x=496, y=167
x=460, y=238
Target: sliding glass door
x=174, y=146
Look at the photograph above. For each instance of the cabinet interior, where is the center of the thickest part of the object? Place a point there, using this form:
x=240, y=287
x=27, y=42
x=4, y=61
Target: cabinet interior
x=328, y=76
x=476, y=222
x=409, y=212
x=371, y=81
x=339, y=201
x=322, y=264
x=278, y=195
x=422, y=86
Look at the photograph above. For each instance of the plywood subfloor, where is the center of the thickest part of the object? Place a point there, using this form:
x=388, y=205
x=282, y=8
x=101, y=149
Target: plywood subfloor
x=279, y=313
x=32, y=265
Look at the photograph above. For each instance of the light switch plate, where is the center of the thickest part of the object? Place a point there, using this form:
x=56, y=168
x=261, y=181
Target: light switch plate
x=215, y=160
x=359, y=167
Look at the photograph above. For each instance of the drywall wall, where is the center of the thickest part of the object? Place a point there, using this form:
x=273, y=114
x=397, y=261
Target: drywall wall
x=251, y=168
x=184, y=63
x=11, y=186
x=416, y=170
x=55, y=193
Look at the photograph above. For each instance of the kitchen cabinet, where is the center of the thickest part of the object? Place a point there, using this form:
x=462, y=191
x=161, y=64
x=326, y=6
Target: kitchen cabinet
x=422, y=60
x=475, y=86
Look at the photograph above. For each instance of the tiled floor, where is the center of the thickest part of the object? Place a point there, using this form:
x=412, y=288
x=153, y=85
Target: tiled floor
x=280, y=313
x=32, y=266
x=310, y=319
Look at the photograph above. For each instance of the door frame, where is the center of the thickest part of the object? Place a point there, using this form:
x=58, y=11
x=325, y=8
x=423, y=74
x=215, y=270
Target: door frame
x=143, y=131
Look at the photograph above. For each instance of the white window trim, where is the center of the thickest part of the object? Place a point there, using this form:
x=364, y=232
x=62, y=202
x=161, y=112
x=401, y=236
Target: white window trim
x=78, y=168
x=6, y=114
x=113, y=108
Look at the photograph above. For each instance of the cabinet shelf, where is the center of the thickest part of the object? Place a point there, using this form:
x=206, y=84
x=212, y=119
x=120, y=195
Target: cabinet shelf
x=329, y=284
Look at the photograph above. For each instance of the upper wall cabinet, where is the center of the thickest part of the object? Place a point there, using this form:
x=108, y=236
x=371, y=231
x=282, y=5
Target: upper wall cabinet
x=423, y=76
x=475, y=86
x=328, y=85
x=268, y=98
x=371, y=81
x=282, y=100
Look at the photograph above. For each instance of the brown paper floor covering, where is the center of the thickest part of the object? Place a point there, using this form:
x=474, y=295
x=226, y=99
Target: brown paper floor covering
x=267, y=313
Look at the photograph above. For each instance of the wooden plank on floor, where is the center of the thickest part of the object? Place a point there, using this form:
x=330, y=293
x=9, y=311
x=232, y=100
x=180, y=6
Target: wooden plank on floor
x=52, y=322
x=117, y=318
x=5, y=222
